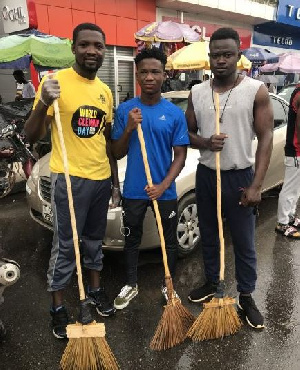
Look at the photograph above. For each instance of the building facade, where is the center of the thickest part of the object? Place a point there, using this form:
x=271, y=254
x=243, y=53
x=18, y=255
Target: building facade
x=120, y=19
x=282, y=33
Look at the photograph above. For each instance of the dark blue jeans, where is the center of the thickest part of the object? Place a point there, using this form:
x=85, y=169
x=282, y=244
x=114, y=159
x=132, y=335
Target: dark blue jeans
x=134, y=214
x=241, y=221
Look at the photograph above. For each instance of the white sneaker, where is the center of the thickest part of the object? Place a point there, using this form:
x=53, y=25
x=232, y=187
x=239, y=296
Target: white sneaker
x=165, y=294
x=125, y=296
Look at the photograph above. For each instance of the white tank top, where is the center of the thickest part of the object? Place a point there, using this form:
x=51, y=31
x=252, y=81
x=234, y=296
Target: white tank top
x=237, y=123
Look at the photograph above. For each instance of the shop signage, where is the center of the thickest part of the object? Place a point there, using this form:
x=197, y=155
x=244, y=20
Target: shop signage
x=206, y=30
x=288, y=12
x=277, y=39
x=14, y=15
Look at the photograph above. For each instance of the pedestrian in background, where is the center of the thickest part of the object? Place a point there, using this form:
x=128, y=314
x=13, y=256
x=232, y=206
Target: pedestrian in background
x=27, y=88
x=288, y=221
x=166, y=136
x=85, y=104
x=245, y=111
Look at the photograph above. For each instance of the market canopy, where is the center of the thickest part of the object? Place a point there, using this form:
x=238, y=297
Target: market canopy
x=167, y=31
x=288, y=63
x=195, y=56
x=16, y=51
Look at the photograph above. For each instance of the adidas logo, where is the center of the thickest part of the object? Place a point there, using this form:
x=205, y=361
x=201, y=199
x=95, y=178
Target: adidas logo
x=172, y=214
x=162, y=118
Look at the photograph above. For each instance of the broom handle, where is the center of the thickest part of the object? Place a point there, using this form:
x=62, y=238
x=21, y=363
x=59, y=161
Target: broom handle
x=219, y=200
x=70, y=198
x=155, y=205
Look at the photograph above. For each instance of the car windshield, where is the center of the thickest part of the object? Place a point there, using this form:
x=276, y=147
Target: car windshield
x=286, y=93
x=180, y=102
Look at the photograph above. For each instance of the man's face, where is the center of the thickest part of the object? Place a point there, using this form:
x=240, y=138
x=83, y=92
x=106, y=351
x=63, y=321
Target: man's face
x=150, y=75
x=223, y=57
x=18, y=78
x=89, y=50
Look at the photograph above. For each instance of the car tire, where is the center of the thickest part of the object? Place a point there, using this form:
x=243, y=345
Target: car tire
x=188, y=235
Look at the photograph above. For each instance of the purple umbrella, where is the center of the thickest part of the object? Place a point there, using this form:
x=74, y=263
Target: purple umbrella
x=260, y=55
x=167, y=31
x=288, y=63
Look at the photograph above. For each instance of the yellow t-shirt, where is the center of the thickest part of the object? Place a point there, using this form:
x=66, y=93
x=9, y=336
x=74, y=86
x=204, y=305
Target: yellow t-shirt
x=85, y=108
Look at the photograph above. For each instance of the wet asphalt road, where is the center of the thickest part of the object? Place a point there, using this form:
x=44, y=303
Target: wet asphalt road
x=30, y=344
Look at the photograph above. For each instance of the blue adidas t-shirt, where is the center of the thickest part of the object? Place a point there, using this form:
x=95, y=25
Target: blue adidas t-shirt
x=164, y=126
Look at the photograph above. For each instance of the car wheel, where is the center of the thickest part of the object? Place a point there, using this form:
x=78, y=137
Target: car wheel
x=188, y=234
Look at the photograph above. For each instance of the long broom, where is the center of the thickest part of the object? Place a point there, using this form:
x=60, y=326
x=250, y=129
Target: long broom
x=176, y=319
x=219, y=317
x=87, y=348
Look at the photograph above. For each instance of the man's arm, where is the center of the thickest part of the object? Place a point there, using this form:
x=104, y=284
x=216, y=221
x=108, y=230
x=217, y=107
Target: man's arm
x=120, y=147
x=37, y=124
x=38, y=121
x=177, y=165
x=263, y=127
x=298, y=117
x=214, y=143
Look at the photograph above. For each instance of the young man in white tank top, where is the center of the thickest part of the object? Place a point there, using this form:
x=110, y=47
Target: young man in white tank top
x=245, y=111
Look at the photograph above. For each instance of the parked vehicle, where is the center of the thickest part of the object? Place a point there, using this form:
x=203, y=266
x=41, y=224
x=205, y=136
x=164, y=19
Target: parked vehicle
x=38, y=189
x=15, y=156
x=286, y=92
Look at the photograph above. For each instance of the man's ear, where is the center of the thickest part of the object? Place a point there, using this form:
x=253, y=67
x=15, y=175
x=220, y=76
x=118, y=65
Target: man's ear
x=239, y=54
x=73, y=49
x=165, y=75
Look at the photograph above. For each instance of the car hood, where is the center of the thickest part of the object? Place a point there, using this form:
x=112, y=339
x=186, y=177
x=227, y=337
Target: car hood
x=44, y=165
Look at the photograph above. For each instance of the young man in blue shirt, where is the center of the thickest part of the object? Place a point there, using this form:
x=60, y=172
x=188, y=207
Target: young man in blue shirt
x=166, y=137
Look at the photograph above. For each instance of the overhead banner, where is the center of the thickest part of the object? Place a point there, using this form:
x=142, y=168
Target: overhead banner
x=276, y=35
x=288, y=12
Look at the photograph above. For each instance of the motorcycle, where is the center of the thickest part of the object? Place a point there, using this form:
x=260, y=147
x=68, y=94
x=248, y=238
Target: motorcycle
x=14, y=150
x=9, y=274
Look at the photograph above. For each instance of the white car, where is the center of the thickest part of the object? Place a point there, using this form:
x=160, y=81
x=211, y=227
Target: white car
x=38, y=188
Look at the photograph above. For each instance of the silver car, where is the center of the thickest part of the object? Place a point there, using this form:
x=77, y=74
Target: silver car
x=38, y=189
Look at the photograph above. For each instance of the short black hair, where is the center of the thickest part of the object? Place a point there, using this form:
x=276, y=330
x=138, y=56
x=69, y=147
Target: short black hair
x=154, y=53
x=225, y=33
x=18, y=72
x=86, y=26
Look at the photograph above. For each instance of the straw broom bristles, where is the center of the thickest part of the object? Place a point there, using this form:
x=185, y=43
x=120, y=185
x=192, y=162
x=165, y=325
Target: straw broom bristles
x=88, y=353
x=217, y=320
x=173, y=325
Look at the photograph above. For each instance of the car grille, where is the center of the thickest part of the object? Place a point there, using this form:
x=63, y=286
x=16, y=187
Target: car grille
x=36, y=214
x=45, y=188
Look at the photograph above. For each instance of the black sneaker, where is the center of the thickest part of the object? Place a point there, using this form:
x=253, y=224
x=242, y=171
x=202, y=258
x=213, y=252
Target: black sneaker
x=253, y=317
x=103, y=306
x=60, y=320
x=204, y=292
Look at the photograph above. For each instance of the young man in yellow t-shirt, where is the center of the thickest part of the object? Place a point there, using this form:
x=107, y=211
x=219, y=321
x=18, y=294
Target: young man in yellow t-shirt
x=85, y=105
